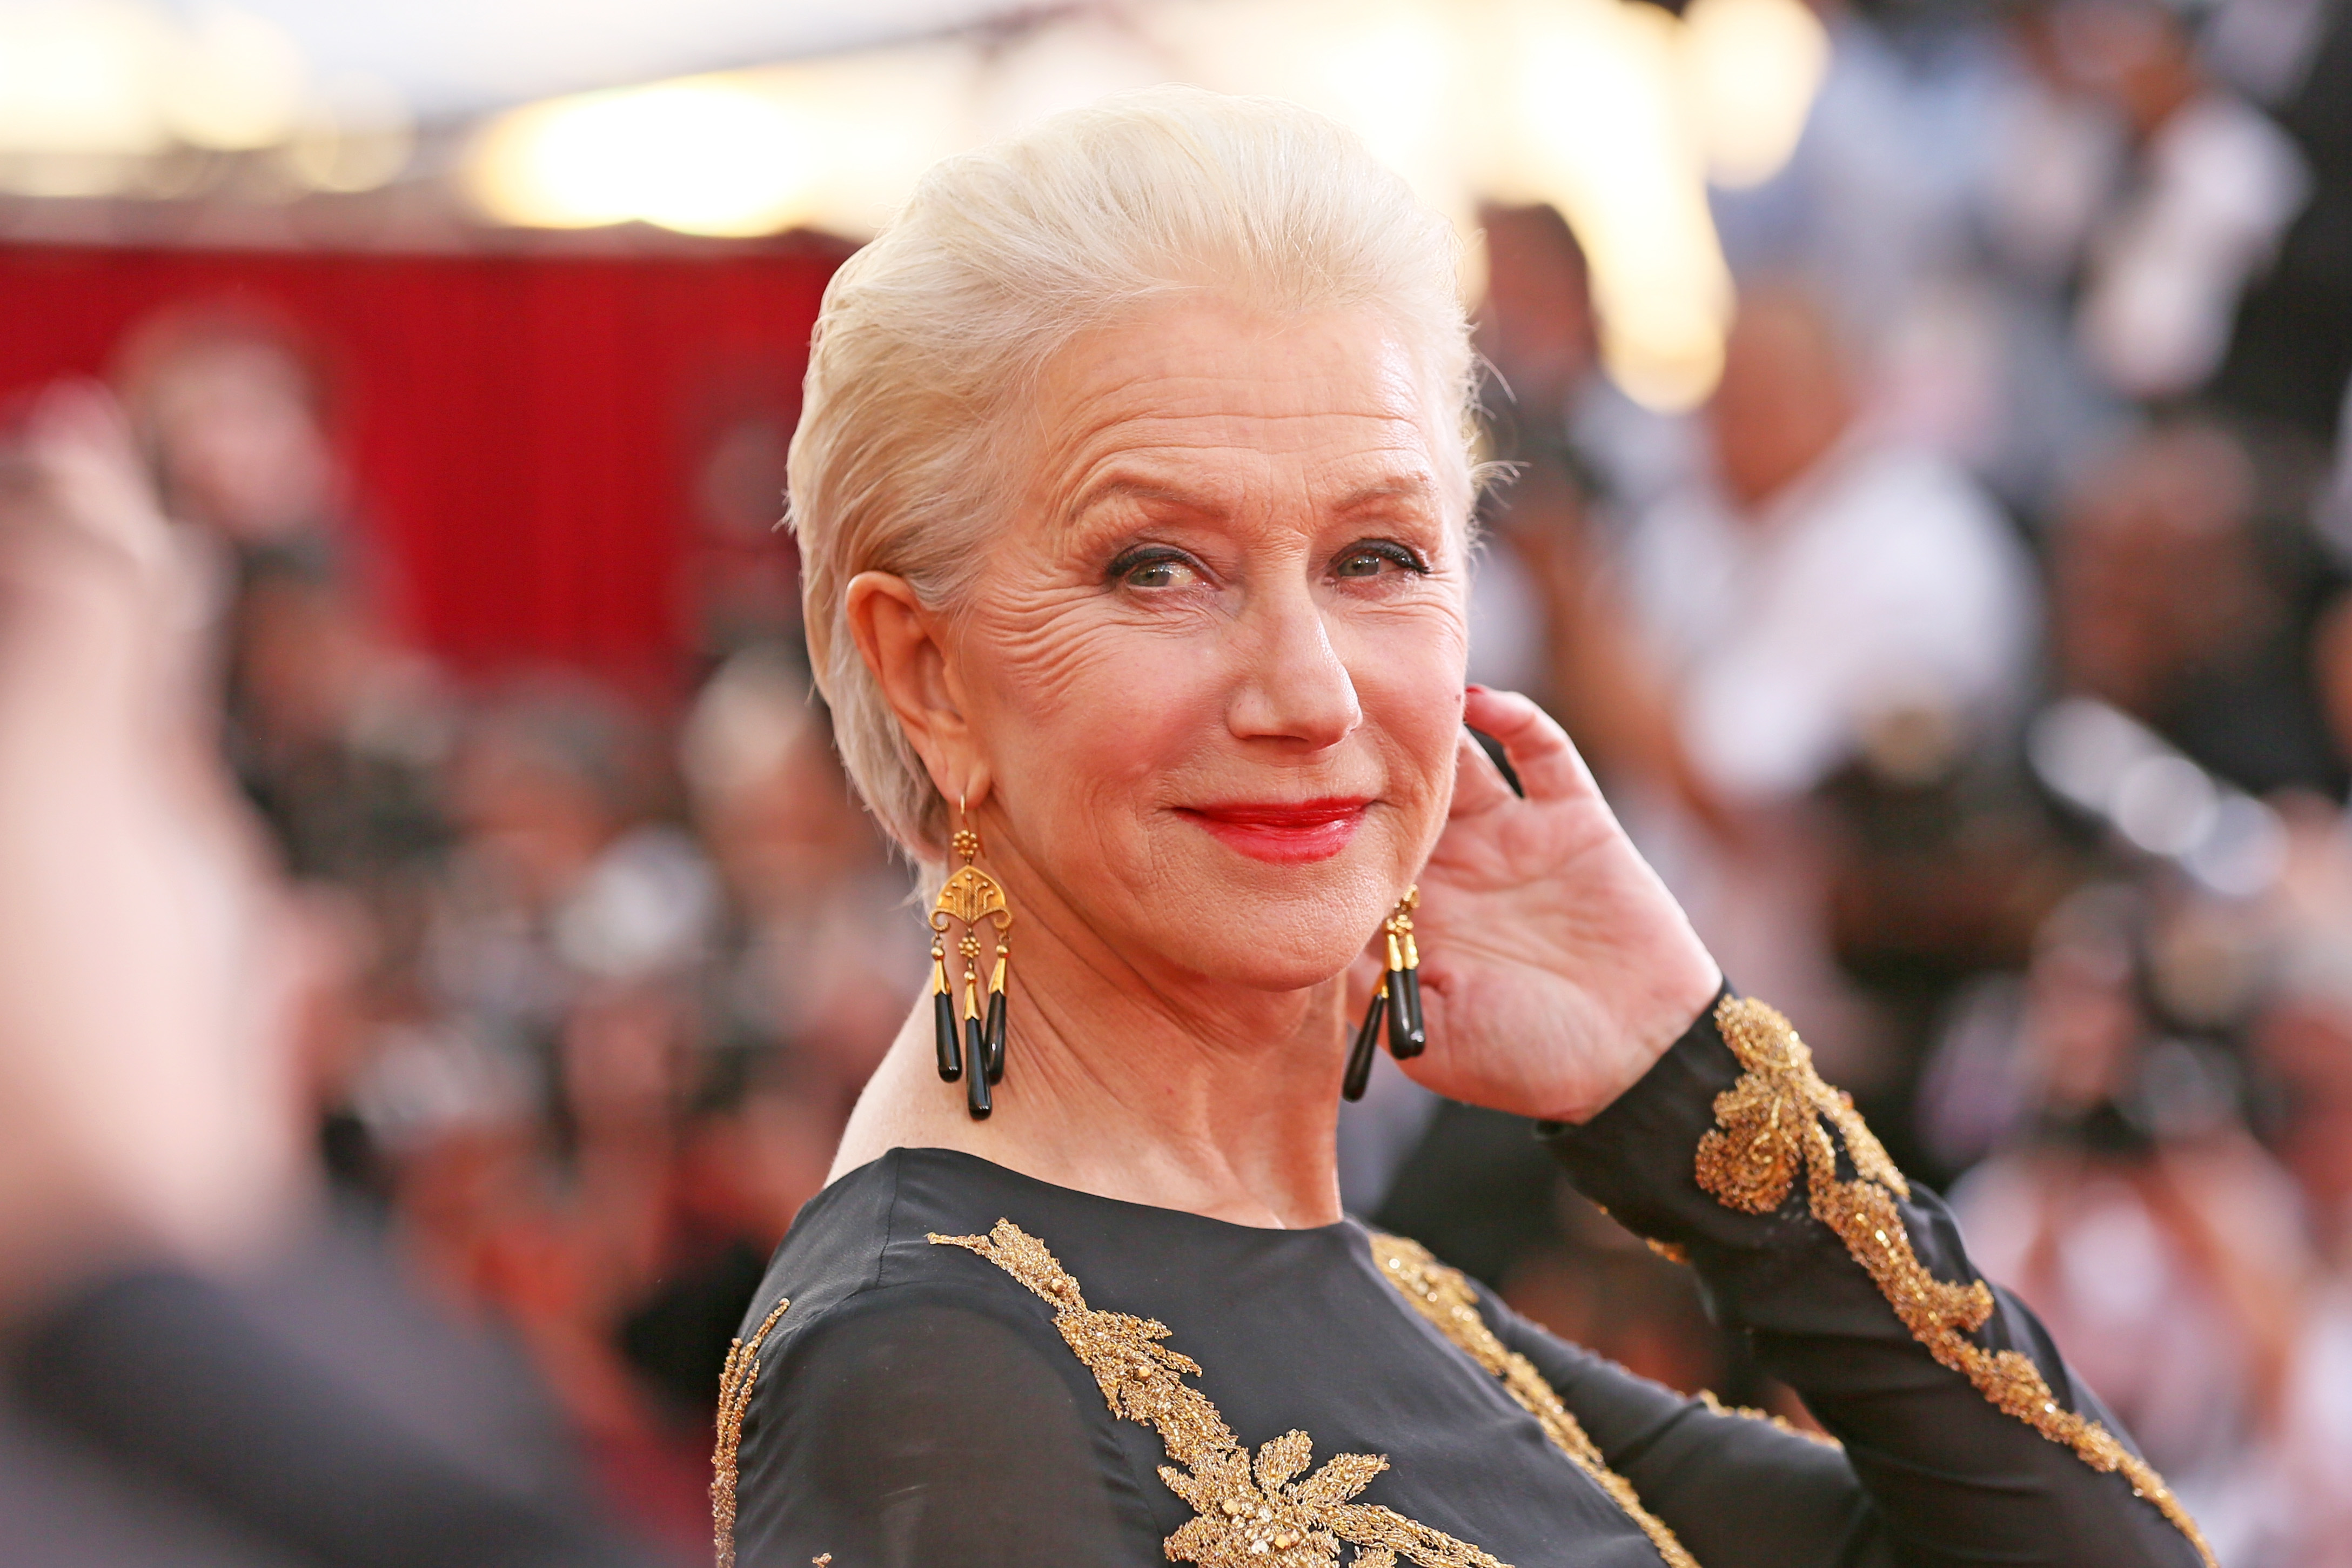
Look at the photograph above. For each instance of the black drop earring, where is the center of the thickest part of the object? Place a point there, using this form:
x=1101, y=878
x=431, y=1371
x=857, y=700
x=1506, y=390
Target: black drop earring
x=972, y=1048
x=1395, y=1009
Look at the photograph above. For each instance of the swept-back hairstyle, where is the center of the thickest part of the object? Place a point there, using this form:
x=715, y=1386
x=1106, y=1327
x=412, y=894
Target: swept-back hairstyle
x=931, y=337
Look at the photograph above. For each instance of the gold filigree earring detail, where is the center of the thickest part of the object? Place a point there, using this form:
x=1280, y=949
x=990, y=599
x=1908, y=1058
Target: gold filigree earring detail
x=1396, y=1005
x=973, y=1048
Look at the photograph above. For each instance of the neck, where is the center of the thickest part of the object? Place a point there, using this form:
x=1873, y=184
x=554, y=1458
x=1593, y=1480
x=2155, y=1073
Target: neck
x=1175, y=1092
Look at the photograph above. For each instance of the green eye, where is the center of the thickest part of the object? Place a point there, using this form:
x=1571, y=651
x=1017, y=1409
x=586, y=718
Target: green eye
x=1362, y=564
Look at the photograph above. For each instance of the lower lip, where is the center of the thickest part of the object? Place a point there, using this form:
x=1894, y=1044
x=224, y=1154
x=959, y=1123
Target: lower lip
x=1287, y=838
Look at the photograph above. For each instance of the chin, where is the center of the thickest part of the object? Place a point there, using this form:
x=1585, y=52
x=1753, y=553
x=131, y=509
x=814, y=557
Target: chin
x=1277, y=939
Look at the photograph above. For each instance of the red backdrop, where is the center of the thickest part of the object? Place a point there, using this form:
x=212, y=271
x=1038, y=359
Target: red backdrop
x=519, y=428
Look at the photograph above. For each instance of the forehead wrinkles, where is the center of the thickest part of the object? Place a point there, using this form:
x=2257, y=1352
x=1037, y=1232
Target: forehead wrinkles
x=1228, y=468
x=1213, y=436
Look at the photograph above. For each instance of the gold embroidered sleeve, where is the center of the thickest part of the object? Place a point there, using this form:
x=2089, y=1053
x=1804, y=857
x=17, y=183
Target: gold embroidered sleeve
x=1774, y=1126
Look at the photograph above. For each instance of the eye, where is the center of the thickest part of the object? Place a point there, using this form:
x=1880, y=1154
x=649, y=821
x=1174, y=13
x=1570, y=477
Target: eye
x=1154, y=567
x=1375, y=557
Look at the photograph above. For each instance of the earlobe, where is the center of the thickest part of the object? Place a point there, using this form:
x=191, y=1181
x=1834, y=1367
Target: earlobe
x=898, y=638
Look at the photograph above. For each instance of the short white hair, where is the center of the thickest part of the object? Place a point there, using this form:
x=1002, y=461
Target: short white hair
x=931, y=336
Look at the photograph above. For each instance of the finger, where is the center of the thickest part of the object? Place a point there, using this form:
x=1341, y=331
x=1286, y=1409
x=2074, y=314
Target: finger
x=1478, y=785
x=1541, y=754
x=78, y=433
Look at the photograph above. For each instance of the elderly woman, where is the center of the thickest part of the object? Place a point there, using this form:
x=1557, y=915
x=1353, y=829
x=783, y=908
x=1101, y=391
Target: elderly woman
x=1134, y=498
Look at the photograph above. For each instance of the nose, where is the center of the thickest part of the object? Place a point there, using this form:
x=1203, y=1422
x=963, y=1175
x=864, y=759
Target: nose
x=1293, y=687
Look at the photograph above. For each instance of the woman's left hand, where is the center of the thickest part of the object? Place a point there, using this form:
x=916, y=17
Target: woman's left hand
x=1555, y=966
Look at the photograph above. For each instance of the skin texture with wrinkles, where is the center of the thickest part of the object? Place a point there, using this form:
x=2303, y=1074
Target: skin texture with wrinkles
x=1237, y=576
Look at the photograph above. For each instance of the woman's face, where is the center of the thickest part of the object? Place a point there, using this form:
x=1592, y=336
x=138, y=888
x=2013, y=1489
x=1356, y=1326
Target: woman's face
x=1212, y=667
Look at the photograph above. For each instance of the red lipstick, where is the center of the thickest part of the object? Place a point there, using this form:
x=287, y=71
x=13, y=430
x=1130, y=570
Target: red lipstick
x=1286, y=833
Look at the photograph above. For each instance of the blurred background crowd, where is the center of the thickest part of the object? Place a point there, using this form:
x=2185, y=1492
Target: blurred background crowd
x=1923, y=488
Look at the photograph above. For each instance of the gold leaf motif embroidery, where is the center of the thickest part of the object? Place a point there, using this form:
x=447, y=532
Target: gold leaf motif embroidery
x=1443, y=1296
x=1249, y=1512
x=736, y=1380
x=1770, y=1127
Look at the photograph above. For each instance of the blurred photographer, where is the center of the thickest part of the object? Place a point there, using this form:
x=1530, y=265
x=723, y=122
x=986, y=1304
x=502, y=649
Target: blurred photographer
x=196, y=1369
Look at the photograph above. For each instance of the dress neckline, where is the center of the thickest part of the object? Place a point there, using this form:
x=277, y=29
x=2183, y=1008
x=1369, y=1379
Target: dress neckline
x=882, y=1164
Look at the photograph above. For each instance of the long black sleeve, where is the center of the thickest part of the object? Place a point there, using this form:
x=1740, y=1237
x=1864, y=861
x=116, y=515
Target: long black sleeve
x=1966, y=1439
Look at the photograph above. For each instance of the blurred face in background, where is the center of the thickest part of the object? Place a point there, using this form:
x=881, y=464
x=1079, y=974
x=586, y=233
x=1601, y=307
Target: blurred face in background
x=2156, y=570
x=2303, y=1040
x=2332, y=665
x=790, y=830
x=769, y=795
x=2133, y=55
x=235, y=430
x=542, y=820
x=2083, y=1021
x=1536, y=327
x=303, y=656
x=1786, y=397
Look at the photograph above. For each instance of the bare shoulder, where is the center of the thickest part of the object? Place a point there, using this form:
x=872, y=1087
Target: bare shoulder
x=903, y=1106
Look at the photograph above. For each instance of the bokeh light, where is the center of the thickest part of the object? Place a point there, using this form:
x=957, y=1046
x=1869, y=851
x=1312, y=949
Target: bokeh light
x=1753, y=67
x=1616, y=112
x=707, y=155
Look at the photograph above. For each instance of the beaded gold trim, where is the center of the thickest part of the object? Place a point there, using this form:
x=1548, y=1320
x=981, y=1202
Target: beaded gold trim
x=1749, y=1412
x=1248, y=1513
x=1770, y=1125
x=736, y=1381
x=1443, y=1296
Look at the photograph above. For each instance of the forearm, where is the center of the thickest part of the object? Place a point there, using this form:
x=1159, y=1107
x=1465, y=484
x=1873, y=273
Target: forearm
x=1959, y=1418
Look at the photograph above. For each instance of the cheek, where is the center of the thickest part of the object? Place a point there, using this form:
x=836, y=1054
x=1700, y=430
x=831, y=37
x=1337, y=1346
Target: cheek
x=1074, y=706
x=1409, y=672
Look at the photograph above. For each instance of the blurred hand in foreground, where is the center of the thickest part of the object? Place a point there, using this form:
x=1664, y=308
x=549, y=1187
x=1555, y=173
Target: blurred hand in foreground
x=144, y=1076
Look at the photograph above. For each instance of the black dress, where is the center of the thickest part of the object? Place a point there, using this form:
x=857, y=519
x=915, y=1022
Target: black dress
x=951, y=1364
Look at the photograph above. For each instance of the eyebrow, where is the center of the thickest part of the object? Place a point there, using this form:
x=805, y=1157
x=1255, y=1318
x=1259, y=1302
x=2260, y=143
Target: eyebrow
x=1124, y=489
x=1405, y=486
x=1409, y=486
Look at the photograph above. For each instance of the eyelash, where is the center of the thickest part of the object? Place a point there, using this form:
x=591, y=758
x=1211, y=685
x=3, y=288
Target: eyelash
x=1127, y=561
x=1387, y=549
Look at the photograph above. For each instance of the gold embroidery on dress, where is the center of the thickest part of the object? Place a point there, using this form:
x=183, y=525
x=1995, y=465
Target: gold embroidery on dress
x=1247, y=1513
x=1443, y=1297
x=1749, y=1413
x=1770, y=1127
x=736, y=1381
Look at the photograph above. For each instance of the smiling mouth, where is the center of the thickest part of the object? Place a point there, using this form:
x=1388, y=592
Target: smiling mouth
x=1282, y=832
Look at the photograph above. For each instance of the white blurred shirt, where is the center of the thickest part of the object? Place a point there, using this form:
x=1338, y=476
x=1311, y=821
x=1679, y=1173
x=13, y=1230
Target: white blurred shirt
x=1883, y=581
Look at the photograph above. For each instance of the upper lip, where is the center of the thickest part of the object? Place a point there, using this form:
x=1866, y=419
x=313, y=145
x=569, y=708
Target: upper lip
x=1316, y=812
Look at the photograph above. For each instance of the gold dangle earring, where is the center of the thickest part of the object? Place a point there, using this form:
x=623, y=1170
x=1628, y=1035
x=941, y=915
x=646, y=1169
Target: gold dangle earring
x=972, y=1050
x=1396, y=1005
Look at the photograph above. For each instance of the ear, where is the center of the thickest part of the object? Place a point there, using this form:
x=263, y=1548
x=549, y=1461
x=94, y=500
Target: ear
x=905, y=645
